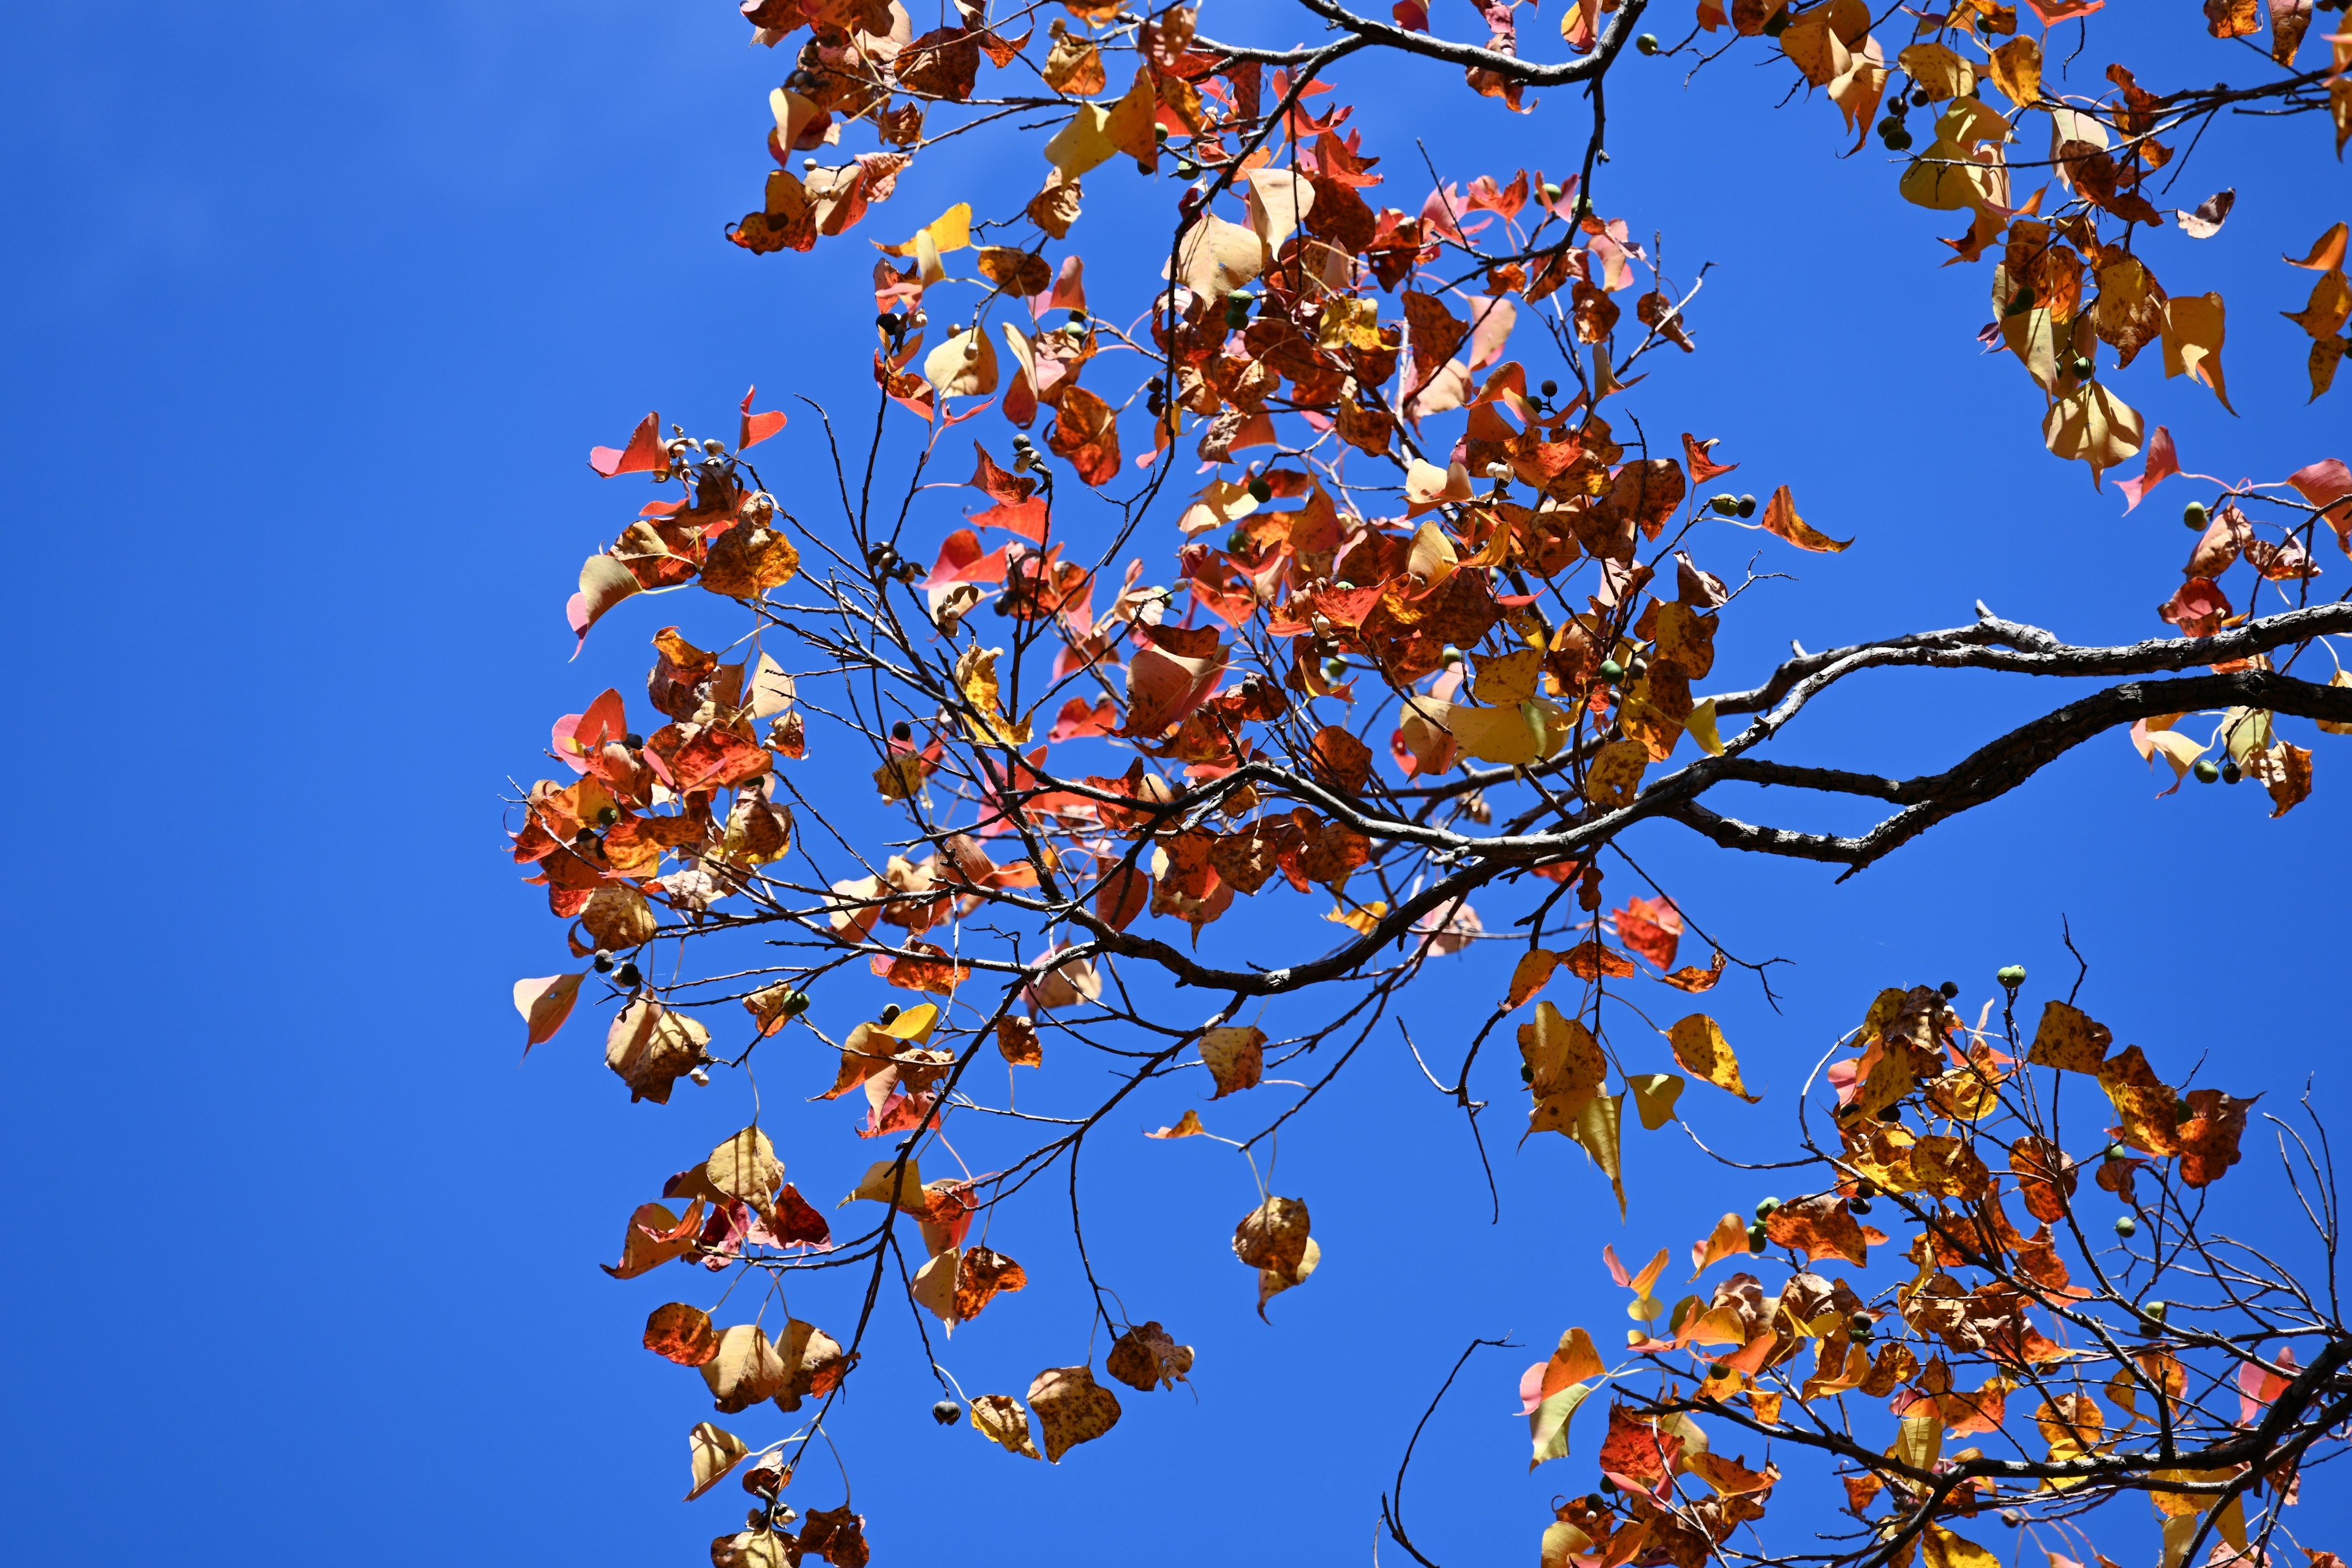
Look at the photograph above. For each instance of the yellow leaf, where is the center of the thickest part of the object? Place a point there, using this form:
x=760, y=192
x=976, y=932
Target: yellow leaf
x=1000, y=1418
x=1081, y=145
x=952, y=230
x=1654, y=1094
x=1942, y=72
x=1597, y=1128
x=1560, y=1054
x=1727, y=1239
x=1700, y=1047
x=1942, y=1549
x=1349, y=323
x=1615, y=775
x=908, y=1193
x=1701, y=725
x=1533, y=971
x=975, y=674
x=1235, y=1058
x=2192, y=340
x=2017, y=69
x=2089, y=426
x=1128, y=126
x=1362, y=919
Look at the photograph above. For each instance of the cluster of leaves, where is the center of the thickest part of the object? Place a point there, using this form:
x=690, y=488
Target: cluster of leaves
x=1435, y=626
x=2062, y=1356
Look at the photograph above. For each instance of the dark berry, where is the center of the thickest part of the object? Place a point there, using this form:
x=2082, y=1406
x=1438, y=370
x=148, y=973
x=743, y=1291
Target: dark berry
x=2232, y=773
x=1949, y=989
x=628, y=976
x=947, y=1413
x=636, y=742
x=902, y=730
x=1747, y=505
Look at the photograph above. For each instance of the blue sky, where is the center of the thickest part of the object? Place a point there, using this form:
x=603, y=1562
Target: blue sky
x=313, y=313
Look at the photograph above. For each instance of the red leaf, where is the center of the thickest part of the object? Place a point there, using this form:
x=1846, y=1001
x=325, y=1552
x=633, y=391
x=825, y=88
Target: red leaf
x=643, y=455
x=1702, y=466
x=579, y=736
x=756, y=427
x=2162, y=464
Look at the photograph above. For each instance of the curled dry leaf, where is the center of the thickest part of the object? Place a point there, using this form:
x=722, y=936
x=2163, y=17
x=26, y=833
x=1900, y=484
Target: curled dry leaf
x=752, y=1549
x=1071, y=1408
x=1145, y=1357
x=649, y=1048
x=655, y=1237
x=1016, y=1040
x=713, y=1452
x=1000, y=1418
x=1187, y=1126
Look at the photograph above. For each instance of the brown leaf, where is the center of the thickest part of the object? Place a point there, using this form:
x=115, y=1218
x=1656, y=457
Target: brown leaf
x=745, y=1369
x=1145, y=1357
x=1820, y=1228
x=980, y=1277
x=1071, y=1408
x=681, y=1333
x=2069, y=1039
x=837, y=1535
x=1016, y=1040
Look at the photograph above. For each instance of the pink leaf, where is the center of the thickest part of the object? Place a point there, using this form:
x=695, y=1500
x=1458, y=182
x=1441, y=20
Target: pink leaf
x=643, y=455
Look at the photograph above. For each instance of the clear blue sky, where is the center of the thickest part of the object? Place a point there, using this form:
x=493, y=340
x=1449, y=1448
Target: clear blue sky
x=312, y=314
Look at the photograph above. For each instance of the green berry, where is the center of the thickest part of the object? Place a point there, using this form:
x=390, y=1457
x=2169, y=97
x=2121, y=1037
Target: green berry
x=1260, y=490
x=795, y=1004
x=1612, y=671
x=2010, y=976
x=1335, y=670
x=1449, y=654
x=2154, y=1311
x=2207, y=770
x=1757, y=1239
x=1895, y=138
x=2117, y=1151
x=2126, y=1225
x=1765, y=1208
x=2194, y=515
x=1552, y=192
x=2232, y=773
x=1725, y=505
x=1646, y=44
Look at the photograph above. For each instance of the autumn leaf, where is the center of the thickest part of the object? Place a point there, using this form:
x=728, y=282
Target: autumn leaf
x=713, y=1453
x=1700, y=1046
x=1780, y=518
x=681, y=1333
x=545, y=1003
x=1187, y=1126
x=1235, y=1058
x=1000, y=1418
x=2069, y=1039
x=1145, y=1357
x=1727, y=1239
x=1071, y=1408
